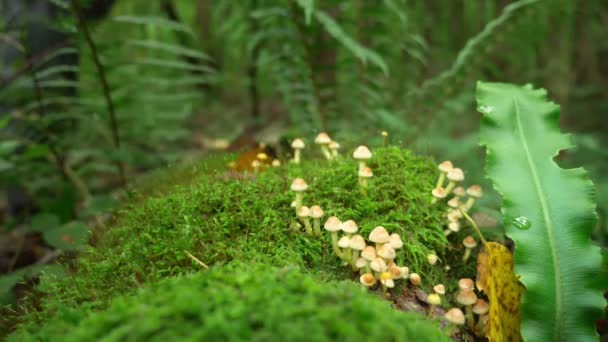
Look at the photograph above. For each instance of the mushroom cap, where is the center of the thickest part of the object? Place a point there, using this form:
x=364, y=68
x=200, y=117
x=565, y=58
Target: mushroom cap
x=466, y=297
x=446, y=166
x=433, y=299
x=256, y=163
x=366, y=172
x=304, y=211
x=405, y=272
x=390, y=283
x=316, y=212
x=432, y=258
x=415, y=279
x=369, y=253
x=455, y=316
x=395, y=271
x=362, y=153
x=459, y=191
x=469, y=242
x=333, y=224
x=367, y=279
x=334, y=145
x=360, y=263
x=387, y=252
x=350, y=227
x=299, y=185
x=481, y=307
x=379, y=235
x=454, y=202
x=475, y=191
x=395, y=241
x=322, y=139
x=456, y=175
x=439, y=288
x=454, y=226
x=466, y=284
x=453, y=216
x=357, y=242
x=439, y=193
x=386, y=276
x=276, y=163
x=298, y=144
x=344, y=242
x=262, y=156
x=378, y=265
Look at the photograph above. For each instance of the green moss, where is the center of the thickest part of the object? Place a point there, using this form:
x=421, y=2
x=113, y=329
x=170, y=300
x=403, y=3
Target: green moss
x=221, y=219
x=245, y=302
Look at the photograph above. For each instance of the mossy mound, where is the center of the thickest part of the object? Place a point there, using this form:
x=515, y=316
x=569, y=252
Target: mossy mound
x=242, y=302
x=220, y=219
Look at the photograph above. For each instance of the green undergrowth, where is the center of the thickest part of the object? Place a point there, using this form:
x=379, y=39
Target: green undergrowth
x=220, y=219
x=245, y=302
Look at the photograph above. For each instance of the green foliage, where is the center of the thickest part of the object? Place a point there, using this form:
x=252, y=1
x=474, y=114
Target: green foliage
x=219, y=220
x=548, y=212
x=241, y=301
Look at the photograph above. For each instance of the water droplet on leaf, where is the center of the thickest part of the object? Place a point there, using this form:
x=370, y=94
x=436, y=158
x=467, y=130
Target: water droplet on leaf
x=522, y=223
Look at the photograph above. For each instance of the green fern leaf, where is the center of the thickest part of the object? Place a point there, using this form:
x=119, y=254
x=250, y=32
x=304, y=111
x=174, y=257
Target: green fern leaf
x=548, y=212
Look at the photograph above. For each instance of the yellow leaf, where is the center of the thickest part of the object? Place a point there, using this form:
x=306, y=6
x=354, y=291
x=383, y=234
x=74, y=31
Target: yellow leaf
x=496, y=278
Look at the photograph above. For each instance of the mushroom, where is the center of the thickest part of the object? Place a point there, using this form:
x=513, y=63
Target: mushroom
x=453, y=216
x=367, y=279
x=482, y=325
x=386, y=279
x=362, y=153
x=349, y=227
x=364, y=175
x=378, y=265
x=469, y=243
x=459, y=192
x=304, y=215
x=379, y=236
x=467, y=298
x=454, y=202
x=384, y=138
x=453, y=227
x=466, y=284
x=455, y=316
x=395, y=241
x=255, y=164
x=323, y=140
x=360, y=265
x=276, y=163
x=395, y=271
x=415, y=279
x=262, y=156
x=444, y=168
x=432, y=258
x=455, y=175
x=438, y=194
x=344, y=243
x=439, y=289
x=387, y=253
x=299, y=186
x=480, y=307
x=334, y=147
x=369, y=254
x=333, y=225
x=316, y=213
x=297, y=145
x=433, y=300
x=357, y=244
x=475, y=192
x=405, y=272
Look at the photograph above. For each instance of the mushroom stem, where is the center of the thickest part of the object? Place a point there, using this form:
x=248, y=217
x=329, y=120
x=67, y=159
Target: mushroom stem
x=317, y=226
x=447, y=232
x=362, y=165
x=354, y=260
x=431, y=310
x=467, y=254
x=346, y=254
x=469, y=317
x=450, y=187
x=334, y=242
x=299, y=198
x=384, y=292
x=469, y=204
x=367, y=268
x=440, y=180
x=326, y=152
x=296, y=156
x=307, y=225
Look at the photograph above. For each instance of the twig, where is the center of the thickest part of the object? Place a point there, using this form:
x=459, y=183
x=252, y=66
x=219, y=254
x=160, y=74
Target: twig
x=104, y=85
x=196, y=260
x=474, y=226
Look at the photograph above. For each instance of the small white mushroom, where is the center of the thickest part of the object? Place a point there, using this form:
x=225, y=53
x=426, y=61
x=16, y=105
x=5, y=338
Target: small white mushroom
x=379, y=236
x=444, y=168
x=438, y=194
x=297, y=145
x=367, y=279
x=454, y=176
x=362, y=154
x=349, y=227
x=323, y=141
x=357, y=244
x=299, y=186
x=333, y=225
x=469, y=243
x=316, y=213
x=334, y=147
x=453, y=227
x=395, y=241
x=344, y=243
x=432, y=258
x=304, y=215
x=364, y=176
x=475, y=192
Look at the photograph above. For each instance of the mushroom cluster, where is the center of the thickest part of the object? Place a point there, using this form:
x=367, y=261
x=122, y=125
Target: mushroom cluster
x=363, y=154
x=304, y=213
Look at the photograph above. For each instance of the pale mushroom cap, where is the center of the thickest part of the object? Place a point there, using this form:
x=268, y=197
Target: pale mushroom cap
x=415, y=279
x=350, y=227
x=298, y=185
x=276, y=163
x=395, y=271
x=298, y=144
x=360, y=263
x=395, y=241
x=466, y=284
x=466, y=297
x=304, y=211
x=432, y=259
x=387, y=252
x=481, y=307
x=446, y=166
x=390, y=283
x=439, y=288
x=439, y=193
x=262, y=156
x=362, y=153
x=475, y=191
x=369, y=253
x=367, y=279
x=334, y=145
x=433, y=299
x=357, y=242
x=453, y=216
x=455, y=316
x=469, y=242
x=459, y=191
x=378, y=265
x=456, y=175
x=366, y=173
x=322, y=139
x=333, y=224
x=344, y=242
x=454, y=202
x=405, y=272
x=256, y=163
x=454, y=226
x=379, y=235
x=316, y=211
